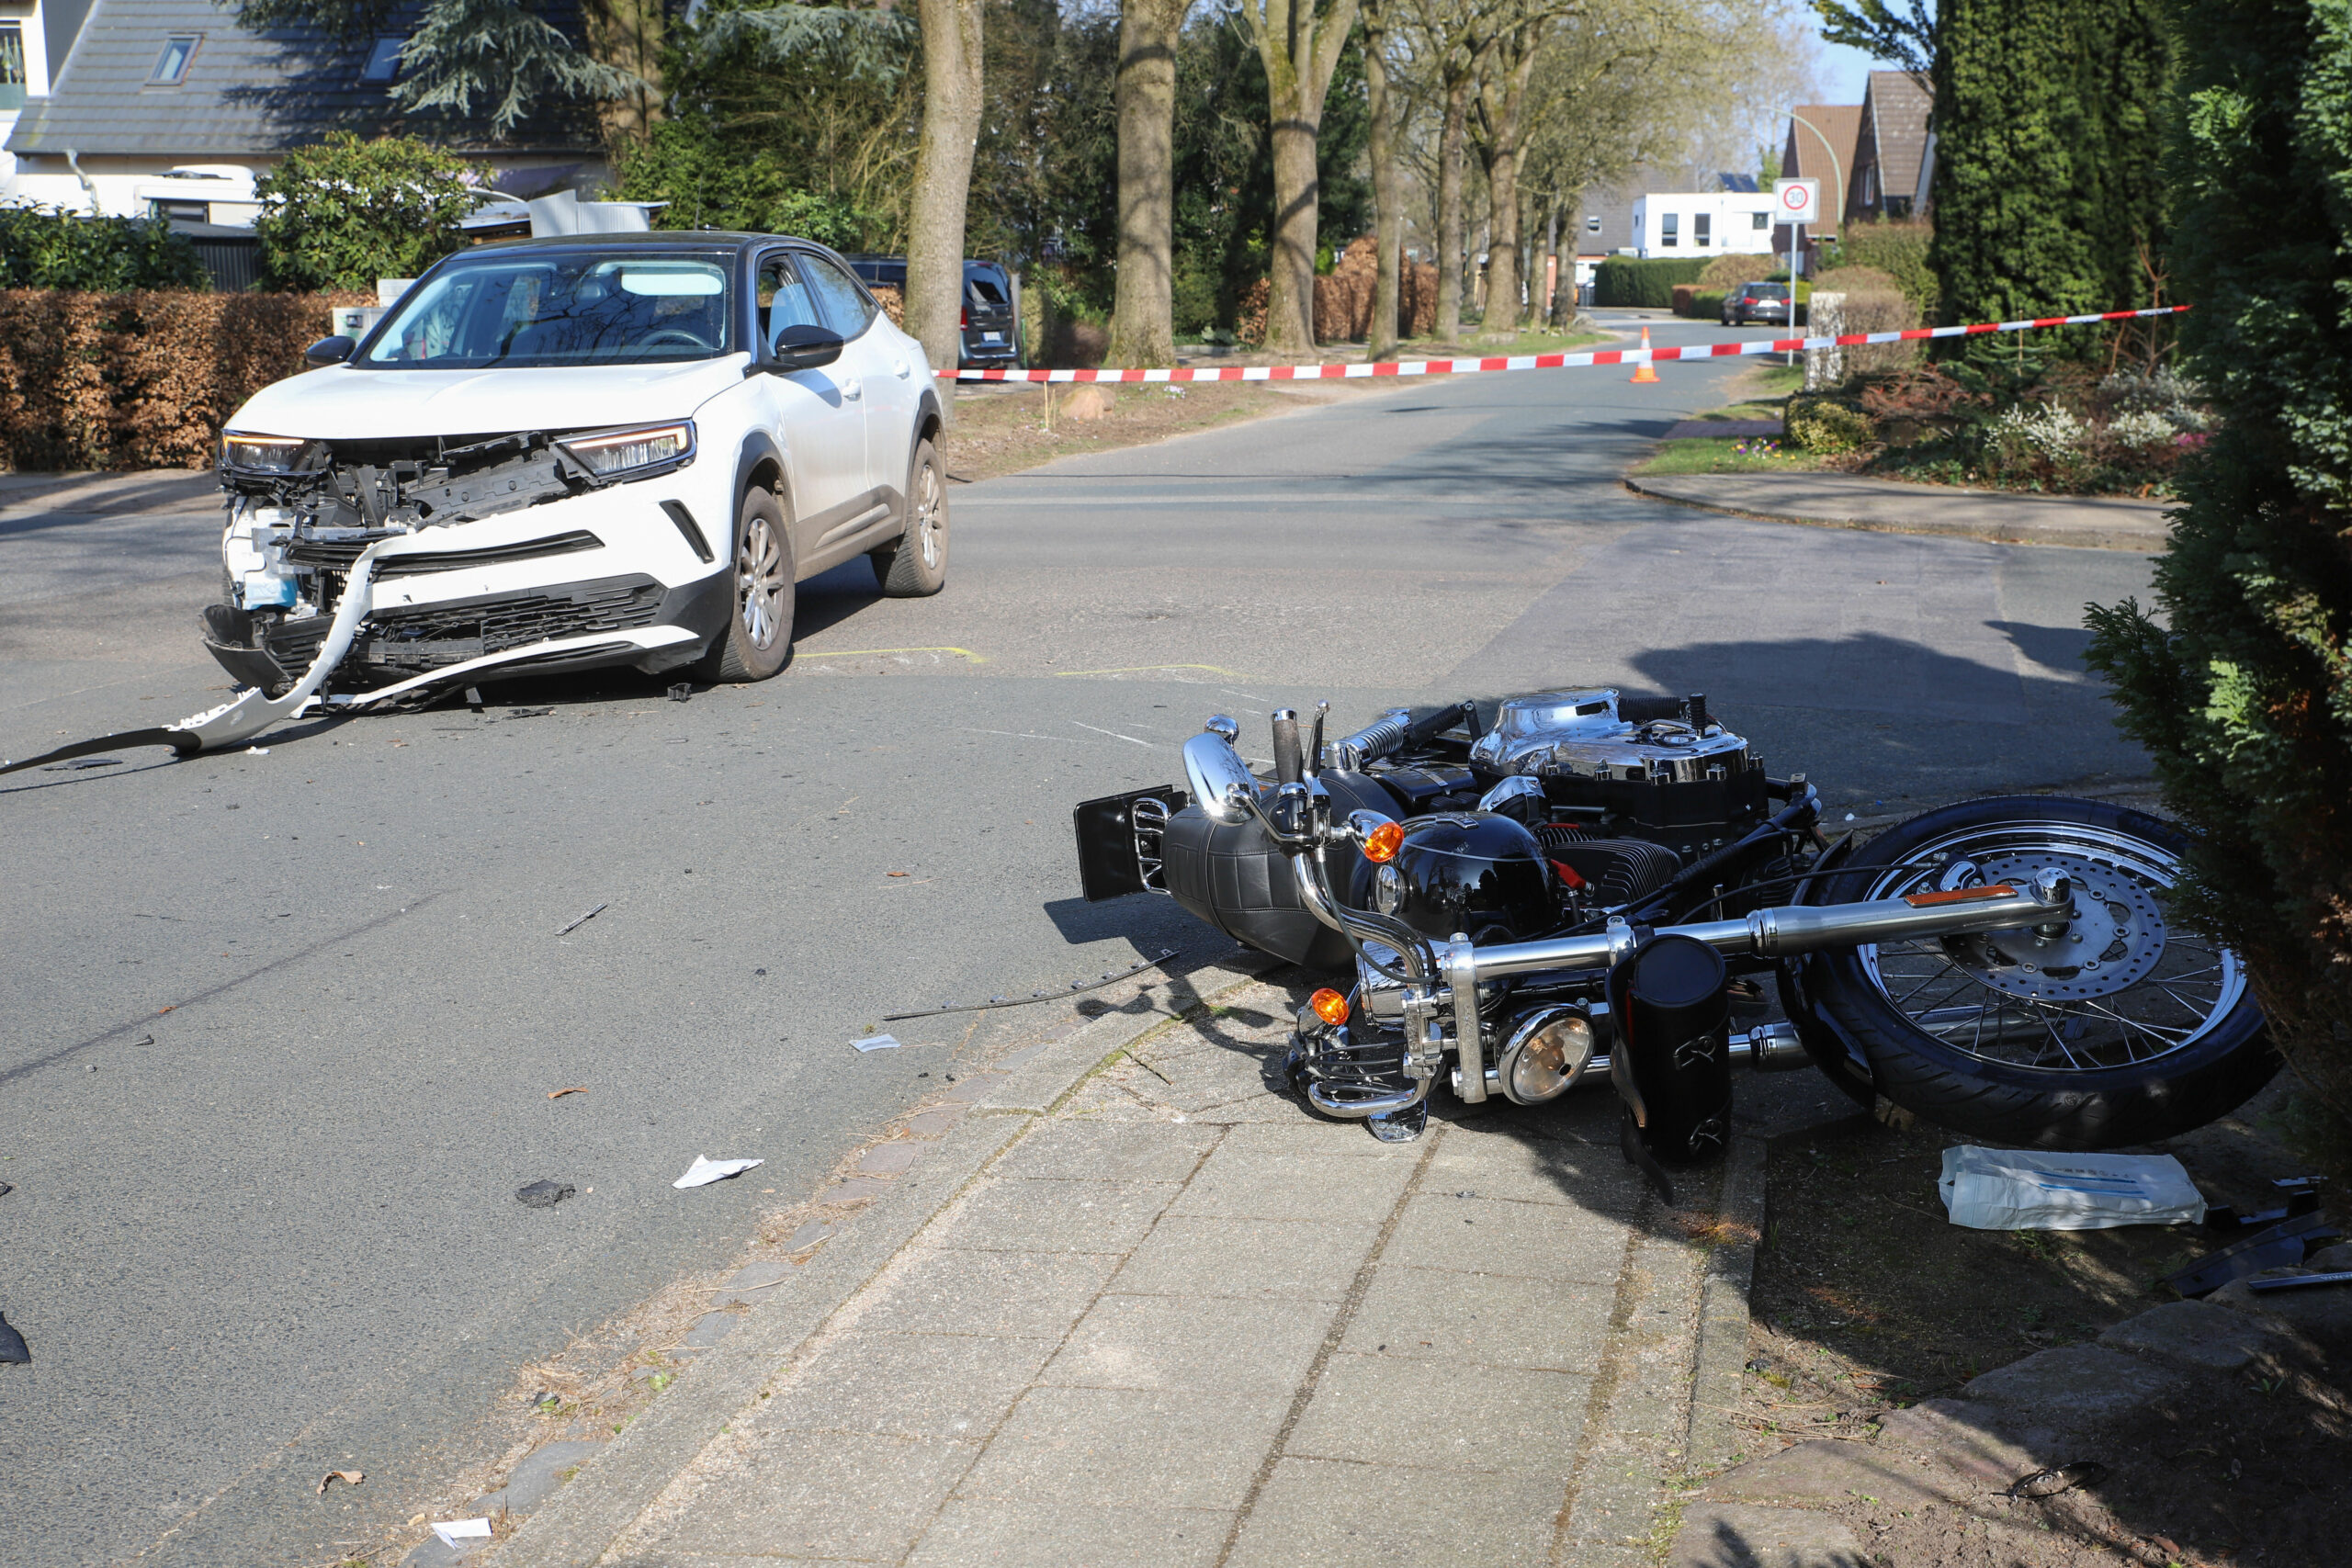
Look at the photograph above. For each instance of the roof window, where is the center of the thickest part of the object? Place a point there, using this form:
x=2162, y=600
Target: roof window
x=171, y=66
x=383, y=60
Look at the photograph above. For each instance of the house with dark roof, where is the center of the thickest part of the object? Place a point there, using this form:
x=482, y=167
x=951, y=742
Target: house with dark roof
x=1891, y=150
x=167, y=107
x=35, y=38
x=1820, y=146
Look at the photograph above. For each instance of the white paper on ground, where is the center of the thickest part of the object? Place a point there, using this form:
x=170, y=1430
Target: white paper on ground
x=876, y=1042
x=455, y=1530
x=706, y=1171
x=2016, y=1190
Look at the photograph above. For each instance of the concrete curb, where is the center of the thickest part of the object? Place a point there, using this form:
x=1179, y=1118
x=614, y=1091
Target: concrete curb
x=581, y=1521
x=2136, y=538
x=1721, y=1357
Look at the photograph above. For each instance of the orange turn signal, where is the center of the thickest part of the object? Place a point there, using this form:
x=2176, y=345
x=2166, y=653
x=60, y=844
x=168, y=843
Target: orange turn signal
x=1329, y=1005
x=1380, y=845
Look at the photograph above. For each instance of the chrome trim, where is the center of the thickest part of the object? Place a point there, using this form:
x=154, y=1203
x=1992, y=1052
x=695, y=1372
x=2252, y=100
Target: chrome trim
x=1350, y=753
x=1458, y=967
x=1383, y=1105
x=1147, y=821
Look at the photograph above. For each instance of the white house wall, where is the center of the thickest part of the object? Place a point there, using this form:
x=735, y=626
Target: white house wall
x=1731, y=216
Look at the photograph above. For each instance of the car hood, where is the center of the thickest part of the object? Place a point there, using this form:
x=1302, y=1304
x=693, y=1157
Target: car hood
x=342, y=403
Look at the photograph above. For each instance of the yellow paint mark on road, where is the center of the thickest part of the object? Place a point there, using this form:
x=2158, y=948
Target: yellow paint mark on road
x=1147, y=669
x=862, y=652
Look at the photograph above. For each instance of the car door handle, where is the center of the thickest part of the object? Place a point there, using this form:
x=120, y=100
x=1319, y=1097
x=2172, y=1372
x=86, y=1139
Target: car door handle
x=853, y=389
x=901, y=368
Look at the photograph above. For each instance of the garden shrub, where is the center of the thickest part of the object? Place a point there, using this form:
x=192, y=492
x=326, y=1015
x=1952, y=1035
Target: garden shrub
x=1707, y=305
x=1827, y=426
x=1897, y=251
x=2240, y=684
x=344, y=212
x=48, y=248
x=143, y=380
x=1726, y=272
x=1632, y=282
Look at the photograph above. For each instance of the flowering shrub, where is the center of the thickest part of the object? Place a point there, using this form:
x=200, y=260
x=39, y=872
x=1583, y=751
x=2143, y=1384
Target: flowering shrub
x=2048, y=430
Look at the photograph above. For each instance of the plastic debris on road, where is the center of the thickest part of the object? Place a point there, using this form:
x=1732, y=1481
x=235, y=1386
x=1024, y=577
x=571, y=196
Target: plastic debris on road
x=2059, y=1478
x=452, y=1531
x=2013, y=1190
x=348, y=1477
x=583, y=919
x=681, y=692
x=13, y=1350
x=543, y=1194
x=706, y=1171
x=575, y=1088
x=877, y=1043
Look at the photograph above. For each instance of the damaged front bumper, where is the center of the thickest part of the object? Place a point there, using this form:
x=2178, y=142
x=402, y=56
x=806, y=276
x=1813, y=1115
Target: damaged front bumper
x=358, y=583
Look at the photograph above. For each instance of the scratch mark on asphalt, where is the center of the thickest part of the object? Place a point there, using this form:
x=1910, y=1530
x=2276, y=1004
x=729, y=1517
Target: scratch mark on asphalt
x=1114, y=735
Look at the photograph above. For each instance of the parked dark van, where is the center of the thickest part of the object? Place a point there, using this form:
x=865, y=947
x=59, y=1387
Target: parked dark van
x=992, y=330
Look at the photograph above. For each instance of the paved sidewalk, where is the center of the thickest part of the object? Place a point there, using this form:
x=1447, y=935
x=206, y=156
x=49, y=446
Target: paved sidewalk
x=1848, y=500
x=1173, y=1319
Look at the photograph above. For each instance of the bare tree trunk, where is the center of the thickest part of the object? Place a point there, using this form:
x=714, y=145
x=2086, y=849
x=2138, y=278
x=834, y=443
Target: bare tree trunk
x=1452, y=136
x=627, y=33
x=1143, y=328
x=1300, y=50
x=1502, y=98
x=1389, y=221
x=951, y=124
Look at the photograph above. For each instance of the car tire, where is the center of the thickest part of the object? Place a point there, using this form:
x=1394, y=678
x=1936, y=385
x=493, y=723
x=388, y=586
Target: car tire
x=758, y=637
x=915, y=564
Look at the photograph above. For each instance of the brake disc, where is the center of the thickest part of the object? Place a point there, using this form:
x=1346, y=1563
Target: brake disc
x=2113, y=940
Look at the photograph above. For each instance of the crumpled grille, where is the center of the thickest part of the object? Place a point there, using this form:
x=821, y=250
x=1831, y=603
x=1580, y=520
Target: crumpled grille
x=407, y=641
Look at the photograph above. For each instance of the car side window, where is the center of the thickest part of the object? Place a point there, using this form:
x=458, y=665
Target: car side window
x=847, y=311
x=784, y=300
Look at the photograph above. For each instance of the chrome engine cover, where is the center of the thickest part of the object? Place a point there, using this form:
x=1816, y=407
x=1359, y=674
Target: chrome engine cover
x=1577, y=734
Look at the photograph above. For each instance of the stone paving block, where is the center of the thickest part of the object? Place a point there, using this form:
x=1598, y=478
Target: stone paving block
x=1447, y=1417
x=1026, y=1535
x=2074, y=1384
x=537, y=1475
x=1489, y=1157
x=1540, y=1241
x=751, y=1282
x=1305, y=1134
x=955, y=1386
x=1204, y=1344
x=1298, y=1259
x=1056, y=1216
x=1024, y=1294
x=1126, y=1448
x=804, y=1494
x=1827, y=1470
x=891, y=1158
x=938, y=1120
x=709, y=1330
x=1258, y=1184
x=1488, y=1318
x=1735, y=1535
x=2194, y=1334
x=1109, y=1151
x=978, y=1086
x=1340, y=1515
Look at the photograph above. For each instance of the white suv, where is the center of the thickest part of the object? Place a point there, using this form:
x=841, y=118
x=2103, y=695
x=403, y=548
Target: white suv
x=571, y=453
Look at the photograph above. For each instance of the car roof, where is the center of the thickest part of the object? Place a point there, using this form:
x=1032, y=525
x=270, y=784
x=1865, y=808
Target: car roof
x=649, y=239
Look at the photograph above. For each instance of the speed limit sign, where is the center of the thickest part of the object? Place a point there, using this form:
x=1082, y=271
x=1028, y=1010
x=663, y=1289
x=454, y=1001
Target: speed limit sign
x=1796, y=201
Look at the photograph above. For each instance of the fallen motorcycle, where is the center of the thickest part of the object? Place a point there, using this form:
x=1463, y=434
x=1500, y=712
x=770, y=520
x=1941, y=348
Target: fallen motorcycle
x=1550, y=890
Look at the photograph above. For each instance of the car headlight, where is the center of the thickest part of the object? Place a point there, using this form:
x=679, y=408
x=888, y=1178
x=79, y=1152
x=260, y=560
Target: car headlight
x=614, y=453
x=271, y=454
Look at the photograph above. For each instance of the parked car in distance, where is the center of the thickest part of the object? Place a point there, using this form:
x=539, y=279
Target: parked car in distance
x=991, y=324
x=578, y=453
x=1757, y=303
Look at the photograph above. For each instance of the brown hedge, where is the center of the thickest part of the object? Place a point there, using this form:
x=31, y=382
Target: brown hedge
x=140, y=380
x=1343, y=300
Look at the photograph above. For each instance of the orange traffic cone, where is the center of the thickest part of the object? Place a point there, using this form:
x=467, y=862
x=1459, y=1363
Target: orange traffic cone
x=1644, y=372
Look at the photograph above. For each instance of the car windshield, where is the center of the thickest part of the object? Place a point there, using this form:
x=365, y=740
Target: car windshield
x=519, y=309
x=1768, y=291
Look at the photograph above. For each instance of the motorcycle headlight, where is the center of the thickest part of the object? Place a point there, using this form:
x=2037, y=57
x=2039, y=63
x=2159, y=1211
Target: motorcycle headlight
x=271, y=454
x=614, y=453
x=1545, y=1054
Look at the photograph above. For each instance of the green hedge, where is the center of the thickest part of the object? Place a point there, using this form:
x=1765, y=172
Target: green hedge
x=1706, y=304
x=1625, y=281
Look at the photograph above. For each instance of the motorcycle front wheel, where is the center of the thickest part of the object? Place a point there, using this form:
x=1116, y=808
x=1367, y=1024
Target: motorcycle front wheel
x=2123, y=1028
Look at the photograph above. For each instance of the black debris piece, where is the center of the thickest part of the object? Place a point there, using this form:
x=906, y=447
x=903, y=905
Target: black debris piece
x=528, y=713
x=547, y=1401
x=543, y=1194
x=76, y=767
x=13, y=1350
x=2281, y=1247
x=6, y=1189
x=2301, y=1194
x=759, y=971
x=584, y=919
x=681, y=692
x=2061, y=1478
x=2299, y=1282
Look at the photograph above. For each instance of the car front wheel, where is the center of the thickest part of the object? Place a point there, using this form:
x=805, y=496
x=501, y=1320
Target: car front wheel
x=916, y=564
x=758, y=638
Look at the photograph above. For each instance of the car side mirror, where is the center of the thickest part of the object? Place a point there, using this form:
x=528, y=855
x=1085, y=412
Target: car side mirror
x=330, y=350
x=804, y=348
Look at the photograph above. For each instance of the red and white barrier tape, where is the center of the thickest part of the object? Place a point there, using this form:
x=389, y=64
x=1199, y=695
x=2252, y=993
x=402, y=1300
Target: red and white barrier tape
x=1544, y=361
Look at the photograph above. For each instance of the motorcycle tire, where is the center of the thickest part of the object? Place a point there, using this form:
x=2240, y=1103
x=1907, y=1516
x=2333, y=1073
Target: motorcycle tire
x=2158, y=1034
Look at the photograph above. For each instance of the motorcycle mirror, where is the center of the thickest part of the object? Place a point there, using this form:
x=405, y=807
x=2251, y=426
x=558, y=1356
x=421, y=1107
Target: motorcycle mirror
x=1221, y=786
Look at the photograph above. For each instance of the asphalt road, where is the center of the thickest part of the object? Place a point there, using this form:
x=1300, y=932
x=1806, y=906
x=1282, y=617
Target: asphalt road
x=277, y=1030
